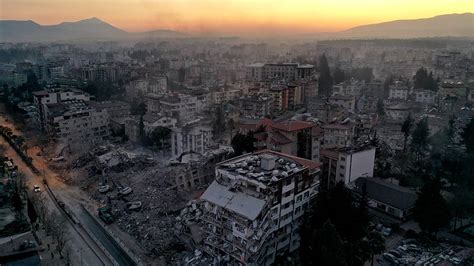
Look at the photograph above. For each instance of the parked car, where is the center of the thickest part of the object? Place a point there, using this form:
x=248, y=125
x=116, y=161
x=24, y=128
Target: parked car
x=104, y=189
x=125, y=191
x=387, y=231
x=36, y=188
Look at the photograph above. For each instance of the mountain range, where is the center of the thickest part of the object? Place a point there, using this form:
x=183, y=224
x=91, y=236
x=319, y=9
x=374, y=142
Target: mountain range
x=451, y=25
x=87, y=29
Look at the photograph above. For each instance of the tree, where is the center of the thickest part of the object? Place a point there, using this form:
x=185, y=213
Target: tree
x=406, y=130
x=451, y=130
x=138, y=108
x=327, y=247
x=339, y=76
x=349, y=218
x=420, y=139
x=420, y=78
x=219, y=120
x=231, y=126
x=380, y=107
x=159, y=136
x=325, y=78
x=376, y=244
x=431, y=210
x=59, y=232
x=468, y=136
x=362, y=74
x=243, y=143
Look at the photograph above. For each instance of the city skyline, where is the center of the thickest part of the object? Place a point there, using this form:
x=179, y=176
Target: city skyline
x=241, y=17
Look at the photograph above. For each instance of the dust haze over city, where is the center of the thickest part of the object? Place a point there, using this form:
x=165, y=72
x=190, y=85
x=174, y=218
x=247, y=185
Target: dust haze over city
x=154, y=132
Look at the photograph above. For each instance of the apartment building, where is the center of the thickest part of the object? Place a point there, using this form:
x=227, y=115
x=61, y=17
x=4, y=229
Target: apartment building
x=182, y=107
x=116, y=109
x=283, y=71
x=338, y=134
x=348, y=88
x=347, y=164
x=425, y=96
x=398, y=91
x=195, y=138
x=53, y=96
x=253, y=210
x=76, y=122
x=255, y=106
x=397, y=112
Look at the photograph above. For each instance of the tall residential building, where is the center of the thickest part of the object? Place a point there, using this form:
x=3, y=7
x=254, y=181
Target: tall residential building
x=76, y=122
x=56, y=95
x=253, y=210
x=189, y=138
x=182, y=107
x=347, y=164
x=255, y=106
x=283, y=71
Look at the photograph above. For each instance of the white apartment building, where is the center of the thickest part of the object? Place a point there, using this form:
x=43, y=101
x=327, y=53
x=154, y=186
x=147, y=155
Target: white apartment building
x=194, y=138
x=347, y=164
x=76, y=122
x=398, y=91
x=425, y=96
x=56, y=95
x=224, y=95
x=253, y=210
x=286, y=71
x=338, y=134
x=182, y=107
x=348, y=88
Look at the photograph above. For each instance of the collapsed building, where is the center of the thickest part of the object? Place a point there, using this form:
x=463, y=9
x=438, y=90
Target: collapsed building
x=251, y=213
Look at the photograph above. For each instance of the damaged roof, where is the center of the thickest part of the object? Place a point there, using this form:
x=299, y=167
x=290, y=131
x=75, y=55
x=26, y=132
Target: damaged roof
x=235, y=201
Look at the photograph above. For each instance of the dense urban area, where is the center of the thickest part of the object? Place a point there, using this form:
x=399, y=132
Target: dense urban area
x=231, y=151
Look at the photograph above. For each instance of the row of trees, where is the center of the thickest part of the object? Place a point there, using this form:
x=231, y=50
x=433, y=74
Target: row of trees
x=424, y=80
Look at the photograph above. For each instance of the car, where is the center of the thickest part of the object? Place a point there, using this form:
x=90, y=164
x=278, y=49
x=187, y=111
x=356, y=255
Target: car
x=387, y=231
x=390, y=258
x=125, y=191
x=36, y=188
x=104, y=189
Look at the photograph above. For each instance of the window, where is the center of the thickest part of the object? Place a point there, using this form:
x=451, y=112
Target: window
x=306, y=194
x=299, y=198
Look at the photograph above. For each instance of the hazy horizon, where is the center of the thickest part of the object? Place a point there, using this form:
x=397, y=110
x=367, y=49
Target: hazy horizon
x=239, y=17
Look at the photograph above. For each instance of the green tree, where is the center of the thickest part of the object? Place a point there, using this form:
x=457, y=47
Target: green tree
x=159, y=136
x=431, y=210
x=406, y=130
x=420, y=139
x=231, y=127
x=420, y=78
x=376, y=244
x=380, y=107
x=325, y=78
x=350, y=220
x=468, y=136
x=219, y=120
x=243, y=143
x=327, y=247
x=339, y=75
x=138, y=108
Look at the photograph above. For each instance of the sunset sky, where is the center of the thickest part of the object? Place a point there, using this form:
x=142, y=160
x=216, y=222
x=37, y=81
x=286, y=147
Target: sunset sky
x=233, y=16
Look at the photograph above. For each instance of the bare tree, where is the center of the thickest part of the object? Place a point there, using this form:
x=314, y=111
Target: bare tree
x=39, y=201
x=67, y=254
x=59, y=232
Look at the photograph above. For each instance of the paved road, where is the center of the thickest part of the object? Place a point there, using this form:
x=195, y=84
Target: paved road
x=91, y=254
x=112, y=246
x=73, y=199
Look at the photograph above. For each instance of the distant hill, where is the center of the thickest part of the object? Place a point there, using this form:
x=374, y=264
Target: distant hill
x=452, y=25
x=93, y=28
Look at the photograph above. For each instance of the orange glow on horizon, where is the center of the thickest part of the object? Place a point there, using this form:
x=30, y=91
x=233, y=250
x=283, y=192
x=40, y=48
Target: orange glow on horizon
x=240, y=17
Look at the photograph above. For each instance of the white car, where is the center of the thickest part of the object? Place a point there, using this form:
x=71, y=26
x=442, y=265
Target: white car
x=36, y=188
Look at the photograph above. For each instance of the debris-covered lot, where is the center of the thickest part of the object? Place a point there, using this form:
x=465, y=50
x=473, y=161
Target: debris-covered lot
x=148, y=210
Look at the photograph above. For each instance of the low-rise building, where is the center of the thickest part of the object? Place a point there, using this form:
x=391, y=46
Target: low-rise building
x=253, y=210
x=386, y=197
x=116, y=109
x=425, y=96
x=397, y=112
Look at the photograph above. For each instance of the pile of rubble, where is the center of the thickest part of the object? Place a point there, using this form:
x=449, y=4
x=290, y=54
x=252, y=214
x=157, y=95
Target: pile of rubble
x=153, y=225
